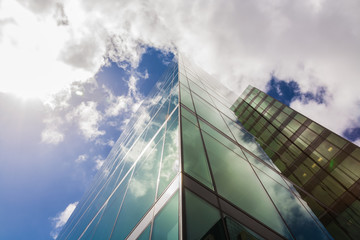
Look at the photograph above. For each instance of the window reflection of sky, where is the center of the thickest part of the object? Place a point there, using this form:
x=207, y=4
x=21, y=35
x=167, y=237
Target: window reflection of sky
x=137, y=156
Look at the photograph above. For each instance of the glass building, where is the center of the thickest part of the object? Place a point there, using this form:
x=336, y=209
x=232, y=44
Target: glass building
x=323, y=167
x=185, y=168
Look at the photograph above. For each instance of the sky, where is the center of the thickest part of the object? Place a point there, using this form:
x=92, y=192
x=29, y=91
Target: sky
x=73, y=73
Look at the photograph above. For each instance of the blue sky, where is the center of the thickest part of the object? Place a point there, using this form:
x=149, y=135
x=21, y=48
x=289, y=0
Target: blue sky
x=289, y=91
x=73, y=72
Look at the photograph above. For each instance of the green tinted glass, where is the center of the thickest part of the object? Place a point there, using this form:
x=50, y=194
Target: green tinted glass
x=222, y=139
x=111, y=212
x=195, y=163
x=338, y=141
x=89, y=231
x=296, y=216
x=300, y=118
x=237, y=231
x=288, y=110
x=183, y=80
x=170, y=159
x=316, y=127
x=277, y=104
x=186, y=97
x=200, y=92
x=140, y=194
x=189, y=116
x=210, y=114
x=237, y=182
x=166, y=222
x=201, y=217
x=260, y=165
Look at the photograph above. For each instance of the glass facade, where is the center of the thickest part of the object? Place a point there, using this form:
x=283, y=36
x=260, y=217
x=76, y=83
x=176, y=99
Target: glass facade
x=184, y=168
x=322, y=166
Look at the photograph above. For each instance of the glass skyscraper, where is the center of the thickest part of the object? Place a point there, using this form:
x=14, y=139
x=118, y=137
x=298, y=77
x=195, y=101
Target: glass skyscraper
x=323, y=167
x=185, y=168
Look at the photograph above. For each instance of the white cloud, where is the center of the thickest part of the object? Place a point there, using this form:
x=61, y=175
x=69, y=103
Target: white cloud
x=314, y=42
x=81, y=158
x=61, y=218
x=125, y=104
x=88, y=119
x=124, y=48
x=48, y=55
x=138, y=188
x=99, y=161
x=111, y=143
x=51, y=134
x=117, y=105
x=104, y=142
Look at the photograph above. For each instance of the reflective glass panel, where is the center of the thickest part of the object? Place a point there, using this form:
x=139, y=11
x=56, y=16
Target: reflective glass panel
x=166, y=221
x=237, y=182
x=203, y=221
x=210, y=114
x=170, y=159
x=89, y=230
x=141, y=193
x=189, y=116
x=300, y=222
x=195, y=163
x=105, y=227
x=186, y=97
x=238, y=232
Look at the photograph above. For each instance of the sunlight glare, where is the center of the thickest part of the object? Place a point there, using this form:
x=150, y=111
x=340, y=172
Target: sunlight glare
x=30, y=51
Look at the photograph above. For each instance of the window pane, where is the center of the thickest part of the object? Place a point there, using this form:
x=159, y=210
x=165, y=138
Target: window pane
x=281, y=117
x=183, y=80
x=327, y=149
x=195, y=163
x=259, y=165
x=170, y=161
x=186, y=97
x=166, y=222
x=236, y=181
x=308, y=135
x=107, y=223
x=315, y=127
x=224, y=109
x=247, y=140
x=174, y=98
x=293, y=125
x=211, y=115
x=201, y=218
x=189, y=116
x=92, y=225
x=140, y=194
x=300, y=222
x=238, y=232
x=221, y=139
x=288, y=110
x=300, y=118
x=199, y=91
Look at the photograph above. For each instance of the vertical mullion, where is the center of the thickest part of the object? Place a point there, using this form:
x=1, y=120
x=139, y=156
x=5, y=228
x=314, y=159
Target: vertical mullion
x=182, y=218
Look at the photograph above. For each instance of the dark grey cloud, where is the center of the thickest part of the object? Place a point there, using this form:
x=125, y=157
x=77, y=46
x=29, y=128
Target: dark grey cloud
x=80, y=53
x=60, y=15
